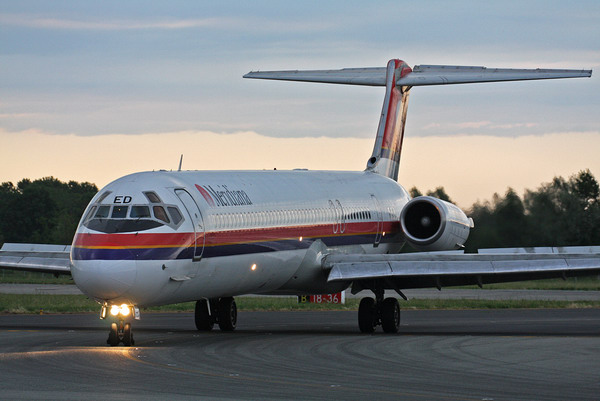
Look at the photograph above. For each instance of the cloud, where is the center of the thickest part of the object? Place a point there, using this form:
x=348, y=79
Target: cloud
x=256, y=25
x=17, y=115
x=481, y=127
x=114, y=25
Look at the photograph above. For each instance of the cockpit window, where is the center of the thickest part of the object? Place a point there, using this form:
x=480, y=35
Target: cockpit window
x=159, y=213
x=175, y=215
x=152, y=197
x=119, y=212
x=102, y=212
x=119, y=218
x=90, y=214
x=139, y=212
x=103, y=196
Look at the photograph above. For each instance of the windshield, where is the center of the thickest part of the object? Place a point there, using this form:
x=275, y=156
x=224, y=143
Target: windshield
x=123, y=218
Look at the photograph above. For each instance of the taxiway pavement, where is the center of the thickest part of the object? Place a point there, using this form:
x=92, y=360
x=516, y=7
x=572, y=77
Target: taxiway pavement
x=439, y=355
x=427, y=293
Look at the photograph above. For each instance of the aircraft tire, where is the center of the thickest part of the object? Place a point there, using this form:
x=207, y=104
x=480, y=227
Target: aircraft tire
x=202, y=318
x=128, y=335
x=390, y=315
x=227, y=311
x=113, y=335
x=366, y=315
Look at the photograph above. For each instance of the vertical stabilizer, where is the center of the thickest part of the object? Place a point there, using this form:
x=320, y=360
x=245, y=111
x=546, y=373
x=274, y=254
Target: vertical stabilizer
x=385, y=159
x=398, y=78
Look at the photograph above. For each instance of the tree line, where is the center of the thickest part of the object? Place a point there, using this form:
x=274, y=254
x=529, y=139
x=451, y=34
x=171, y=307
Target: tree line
x=562, y=212
x=44, y=211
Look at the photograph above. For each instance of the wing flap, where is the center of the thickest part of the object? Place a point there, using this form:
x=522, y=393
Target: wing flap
x=36, y=257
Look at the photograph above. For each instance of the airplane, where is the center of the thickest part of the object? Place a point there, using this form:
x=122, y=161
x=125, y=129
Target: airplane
x=163, y=237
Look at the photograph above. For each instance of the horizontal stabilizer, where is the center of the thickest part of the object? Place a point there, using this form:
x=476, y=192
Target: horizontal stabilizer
x=446, y=74
x=374, y=76
x=421, y=75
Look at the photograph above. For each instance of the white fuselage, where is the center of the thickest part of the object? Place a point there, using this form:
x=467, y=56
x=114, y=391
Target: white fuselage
x=237, y=232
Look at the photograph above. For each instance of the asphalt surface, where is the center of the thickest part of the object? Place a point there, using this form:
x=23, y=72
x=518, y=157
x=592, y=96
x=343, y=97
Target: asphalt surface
x=554, y=295
x=439, y=355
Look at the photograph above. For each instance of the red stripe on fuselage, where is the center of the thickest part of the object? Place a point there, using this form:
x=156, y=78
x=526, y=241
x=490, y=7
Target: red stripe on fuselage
x=215, y=238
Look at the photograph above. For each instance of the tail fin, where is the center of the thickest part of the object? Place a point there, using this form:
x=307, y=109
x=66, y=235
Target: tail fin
x=398, y=78
x=385, y=159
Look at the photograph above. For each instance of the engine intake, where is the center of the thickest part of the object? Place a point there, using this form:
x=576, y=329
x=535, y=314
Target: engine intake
x=431, y=224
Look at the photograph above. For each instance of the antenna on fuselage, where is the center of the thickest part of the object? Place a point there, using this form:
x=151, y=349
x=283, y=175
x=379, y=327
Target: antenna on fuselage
x=180, y=162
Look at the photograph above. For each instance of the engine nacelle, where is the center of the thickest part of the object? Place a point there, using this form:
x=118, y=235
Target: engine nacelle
x=431, y=224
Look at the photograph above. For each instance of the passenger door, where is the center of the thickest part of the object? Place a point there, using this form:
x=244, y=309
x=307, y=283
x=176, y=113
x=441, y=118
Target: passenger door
x=193, y=212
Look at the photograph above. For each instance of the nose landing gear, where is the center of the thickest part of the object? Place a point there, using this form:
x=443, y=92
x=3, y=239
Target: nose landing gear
x=120, y=332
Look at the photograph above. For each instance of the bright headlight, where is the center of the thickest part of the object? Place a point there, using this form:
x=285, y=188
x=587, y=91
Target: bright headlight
x=114, y=310
x=125, y=310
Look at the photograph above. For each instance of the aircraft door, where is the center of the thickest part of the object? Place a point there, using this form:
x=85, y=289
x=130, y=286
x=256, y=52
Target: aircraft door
x=195, y=215
x=378, y=216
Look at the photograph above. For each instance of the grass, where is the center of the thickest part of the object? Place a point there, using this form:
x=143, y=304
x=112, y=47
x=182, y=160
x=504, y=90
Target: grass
x=43, y=303
x=25, y=277
x=591, y=283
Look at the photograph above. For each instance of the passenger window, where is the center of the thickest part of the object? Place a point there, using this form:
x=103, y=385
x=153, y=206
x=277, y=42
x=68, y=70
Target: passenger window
x=139, y=212
x=102, y=212
x=119, y=212
x=175, y=215
x=159, y=213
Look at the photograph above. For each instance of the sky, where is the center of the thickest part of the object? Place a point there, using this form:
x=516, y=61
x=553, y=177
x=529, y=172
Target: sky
x=91, y=91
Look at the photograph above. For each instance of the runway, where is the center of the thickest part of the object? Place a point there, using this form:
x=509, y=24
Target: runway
x=439, y=355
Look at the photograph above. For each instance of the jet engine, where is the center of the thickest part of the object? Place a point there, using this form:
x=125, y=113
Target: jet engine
x=431, y=224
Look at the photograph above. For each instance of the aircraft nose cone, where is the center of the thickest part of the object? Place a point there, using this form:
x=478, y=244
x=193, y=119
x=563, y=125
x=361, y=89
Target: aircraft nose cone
x=104, y=279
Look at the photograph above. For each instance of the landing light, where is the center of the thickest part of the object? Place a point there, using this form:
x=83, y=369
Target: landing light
x=253, y=267
x=122, y=310
x=125, y=311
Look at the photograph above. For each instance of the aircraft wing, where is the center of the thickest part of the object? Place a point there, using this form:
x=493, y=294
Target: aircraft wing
x=439, y=269
x=36, y=257
x=420, y=75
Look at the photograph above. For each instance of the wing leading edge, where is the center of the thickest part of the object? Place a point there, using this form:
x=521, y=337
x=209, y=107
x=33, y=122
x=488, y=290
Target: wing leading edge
x=423, y=270
x=36, y=257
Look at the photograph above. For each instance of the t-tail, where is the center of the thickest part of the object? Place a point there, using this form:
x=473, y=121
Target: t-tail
x=399, y=78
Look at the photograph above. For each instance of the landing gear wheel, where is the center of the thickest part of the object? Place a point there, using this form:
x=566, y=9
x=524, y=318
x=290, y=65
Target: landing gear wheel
x=204, y=322
x=127, y=335
x=113, y=335
x=366, y=315
x=227, y=314
x=390, y=315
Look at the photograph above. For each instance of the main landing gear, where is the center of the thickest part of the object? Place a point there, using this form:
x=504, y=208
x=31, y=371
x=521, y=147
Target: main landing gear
x=120, y=331
x=379, y=311
x=222, y=311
